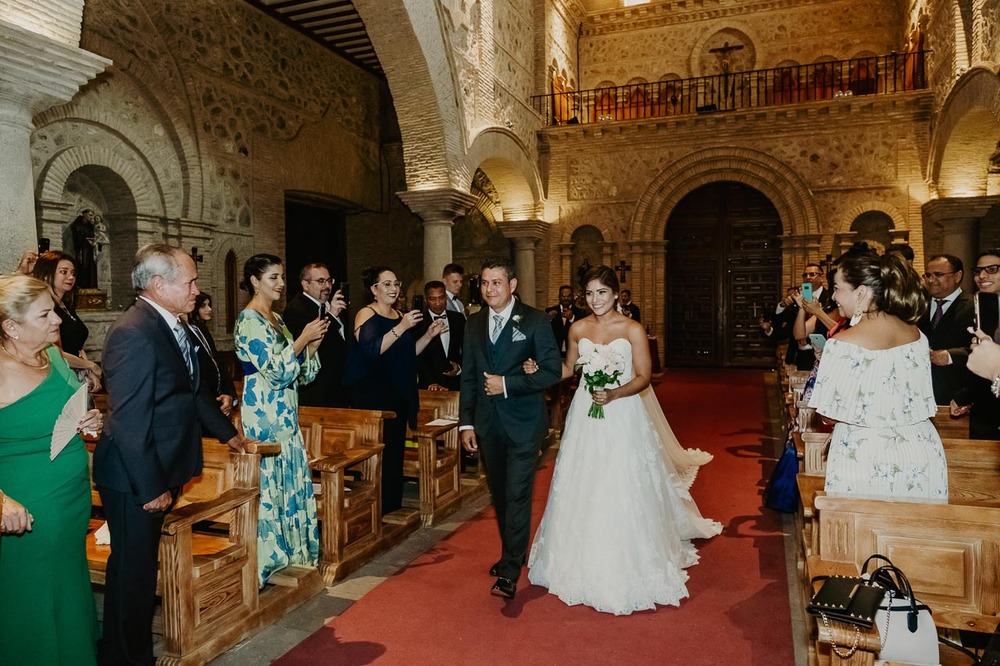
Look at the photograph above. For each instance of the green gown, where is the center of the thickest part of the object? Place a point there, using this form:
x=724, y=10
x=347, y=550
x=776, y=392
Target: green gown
x=46, y=603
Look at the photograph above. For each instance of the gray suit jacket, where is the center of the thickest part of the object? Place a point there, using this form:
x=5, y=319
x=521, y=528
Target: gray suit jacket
x=521, y=415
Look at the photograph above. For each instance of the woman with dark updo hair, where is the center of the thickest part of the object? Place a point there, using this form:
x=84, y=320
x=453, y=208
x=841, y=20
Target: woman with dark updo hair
x=274, y=364
x=381, y=370
x=874, y=381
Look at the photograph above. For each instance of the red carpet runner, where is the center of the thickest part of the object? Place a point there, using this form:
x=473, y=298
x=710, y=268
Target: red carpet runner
x=438, y=610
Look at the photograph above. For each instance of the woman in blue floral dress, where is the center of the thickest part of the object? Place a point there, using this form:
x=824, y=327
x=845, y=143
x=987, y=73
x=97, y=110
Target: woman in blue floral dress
x=273, y=366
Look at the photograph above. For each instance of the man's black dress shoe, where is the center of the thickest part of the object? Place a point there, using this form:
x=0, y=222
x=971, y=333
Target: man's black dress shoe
x=504, y=587
x=493, y=569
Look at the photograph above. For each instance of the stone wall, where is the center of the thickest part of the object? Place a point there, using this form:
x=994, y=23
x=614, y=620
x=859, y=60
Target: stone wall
x=619, y=47
x=211, y=112
x=822, y=165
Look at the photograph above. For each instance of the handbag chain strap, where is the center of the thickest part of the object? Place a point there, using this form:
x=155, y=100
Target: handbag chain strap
x=888, y=615
x=854, y=648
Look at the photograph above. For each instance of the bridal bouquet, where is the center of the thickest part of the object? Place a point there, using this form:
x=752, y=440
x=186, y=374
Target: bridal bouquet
x=602, y=366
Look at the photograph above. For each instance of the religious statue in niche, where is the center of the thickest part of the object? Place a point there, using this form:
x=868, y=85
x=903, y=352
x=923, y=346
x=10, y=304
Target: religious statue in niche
x=727, y=55
x=582, y=270
x=85, y=238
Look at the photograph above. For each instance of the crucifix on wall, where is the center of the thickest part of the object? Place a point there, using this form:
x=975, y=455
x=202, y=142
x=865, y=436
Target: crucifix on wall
x=722, y=53
x=621, y=268
x=198, y=258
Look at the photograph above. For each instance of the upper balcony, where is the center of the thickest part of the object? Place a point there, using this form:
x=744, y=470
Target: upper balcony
x=733, y=91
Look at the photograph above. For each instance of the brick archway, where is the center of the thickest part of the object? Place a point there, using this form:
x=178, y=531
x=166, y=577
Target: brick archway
x=418, y=66
x=843, y=225
x=966, y=134
x=505, y=159
x=785, y=188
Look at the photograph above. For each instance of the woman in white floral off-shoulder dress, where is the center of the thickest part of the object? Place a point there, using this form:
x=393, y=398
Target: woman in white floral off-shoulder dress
x=874, y=380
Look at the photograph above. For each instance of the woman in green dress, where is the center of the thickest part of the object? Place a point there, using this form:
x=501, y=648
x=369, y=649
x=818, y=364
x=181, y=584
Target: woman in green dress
x=274, y=364
x=46, y=604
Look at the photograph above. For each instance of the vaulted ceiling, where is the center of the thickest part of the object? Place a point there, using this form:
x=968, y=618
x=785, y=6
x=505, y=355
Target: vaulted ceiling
x=333, y=23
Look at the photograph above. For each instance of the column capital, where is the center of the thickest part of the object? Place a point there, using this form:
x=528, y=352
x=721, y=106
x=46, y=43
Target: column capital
x=952, y=208
x=437, y=206
x=37, y=71
x=533, y=230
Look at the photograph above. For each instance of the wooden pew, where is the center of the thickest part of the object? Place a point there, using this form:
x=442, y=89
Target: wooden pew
x=948, y=426
x=949, y=552
x=437, y=461
x=345, y=449
x=208, y=577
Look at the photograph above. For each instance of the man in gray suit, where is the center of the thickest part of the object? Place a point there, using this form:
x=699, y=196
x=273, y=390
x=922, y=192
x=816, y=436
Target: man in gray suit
x=503, y=410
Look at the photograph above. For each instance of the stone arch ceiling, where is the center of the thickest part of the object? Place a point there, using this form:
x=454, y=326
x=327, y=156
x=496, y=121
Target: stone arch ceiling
x=333, y=23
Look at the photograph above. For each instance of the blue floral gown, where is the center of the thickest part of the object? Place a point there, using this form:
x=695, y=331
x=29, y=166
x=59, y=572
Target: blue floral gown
x=287, y=526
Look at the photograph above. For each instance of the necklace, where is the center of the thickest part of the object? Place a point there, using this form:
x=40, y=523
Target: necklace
x=67, y=311
x=43, y=366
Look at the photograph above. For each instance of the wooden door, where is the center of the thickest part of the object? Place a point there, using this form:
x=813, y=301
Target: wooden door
x=723, y=267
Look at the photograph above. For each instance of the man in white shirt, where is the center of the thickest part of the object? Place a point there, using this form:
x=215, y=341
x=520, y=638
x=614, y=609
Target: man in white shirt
x=946, y=325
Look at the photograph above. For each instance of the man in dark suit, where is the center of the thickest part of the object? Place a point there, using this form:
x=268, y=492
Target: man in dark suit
x=800, y=354
x=453, y=275
x=314, y=302
x=440, y=364
x=503, y=410
x=151, y=444
x=562, y=316
x=628, y=308
x=946, y=325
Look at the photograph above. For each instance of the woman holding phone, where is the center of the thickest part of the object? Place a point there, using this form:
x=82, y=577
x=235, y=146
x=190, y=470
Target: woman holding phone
x=975, y=398
x=382, y=370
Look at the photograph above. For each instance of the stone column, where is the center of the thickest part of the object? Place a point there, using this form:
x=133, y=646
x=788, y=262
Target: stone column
x=438, y=210
x=524, y=235
x=958, y=221
x=41, y=65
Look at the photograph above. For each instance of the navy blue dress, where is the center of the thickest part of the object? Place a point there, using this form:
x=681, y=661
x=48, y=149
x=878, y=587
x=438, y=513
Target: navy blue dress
x=386, y=381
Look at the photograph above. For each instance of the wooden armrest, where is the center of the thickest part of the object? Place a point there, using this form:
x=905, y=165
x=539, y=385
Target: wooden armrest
x=189, y=514
x=388, y=416
x=338, y=461
x=267, y=449
x=433, y=431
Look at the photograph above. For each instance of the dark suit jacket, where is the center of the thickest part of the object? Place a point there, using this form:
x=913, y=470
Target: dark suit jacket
x=951, y=334
x=634, y=311
x=521, y=415
x=783, y=323
x=327, y=390
x=984, y=421
x=156, y=414
x=433, y=361
x=561, y=330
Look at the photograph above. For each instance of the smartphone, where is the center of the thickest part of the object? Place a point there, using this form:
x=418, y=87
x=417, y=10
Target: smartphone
x=418, y=303
x=43, y=245
x=345, y=291
x=817, y=340
x=807, y=291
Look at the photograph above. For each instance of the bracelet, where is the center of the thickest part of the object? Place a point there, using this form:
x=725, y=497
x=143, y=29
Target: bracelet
x=995, y=387
x=393, y=331
x=2, y=498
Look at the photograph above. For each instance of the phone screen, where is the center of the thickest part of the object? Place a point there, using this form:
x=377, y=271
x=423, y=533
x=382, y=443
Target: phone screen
x=43, y=245
x=807, y=291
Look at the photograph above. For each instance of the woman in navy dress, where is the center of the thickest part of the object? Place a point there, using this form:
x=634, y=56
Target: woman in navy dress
x=382, y=371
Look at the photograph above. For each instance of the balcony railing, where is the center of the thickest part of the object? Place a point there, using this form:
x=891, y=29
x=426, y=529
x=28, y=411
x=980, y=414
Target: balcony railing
x=876, y=75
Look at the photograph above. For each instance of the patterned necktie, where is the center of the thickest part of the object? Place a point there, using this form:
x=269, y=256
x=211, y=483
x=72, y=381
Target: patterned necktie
x=938, y=313
x=497, y=327
x=185, y=344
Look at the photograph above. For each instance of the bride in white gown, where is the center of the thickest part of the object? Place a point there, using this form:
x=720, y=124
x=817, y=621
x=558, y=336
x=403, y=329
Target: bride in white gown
x=617, y=529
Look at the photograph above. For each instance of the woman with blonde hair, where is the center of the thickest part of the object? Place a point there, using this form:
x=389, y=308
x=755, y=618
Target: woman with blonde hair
x=46, y=604
x=874, y=381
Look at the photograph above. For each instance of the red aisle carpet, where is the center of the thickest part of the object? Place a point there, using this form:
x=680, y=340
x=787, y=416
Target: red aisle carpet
x=438, y=610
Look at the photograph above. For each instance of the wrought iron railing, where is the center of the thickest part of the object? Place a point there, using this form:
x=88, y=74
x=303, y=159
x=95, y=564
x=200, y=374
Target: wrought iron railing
x=875, y=75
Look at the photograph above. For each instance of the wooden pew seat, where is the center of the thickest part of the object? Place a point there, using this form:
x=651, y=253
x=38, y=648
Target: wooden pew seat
x=207, y=580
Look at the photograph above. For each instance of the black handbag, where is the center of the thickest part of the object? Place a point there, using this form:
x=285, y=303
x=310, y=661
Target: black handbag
x=850, y=599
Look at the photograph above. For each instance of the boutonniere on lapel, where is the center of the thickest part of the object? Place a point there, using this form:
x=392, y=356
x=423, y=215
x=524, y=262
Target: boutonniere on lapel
x=517, y=335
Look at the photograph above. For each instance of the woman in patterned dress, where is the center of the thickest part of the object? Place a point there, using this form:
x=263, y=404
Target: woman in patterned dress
x=874, y=380
x=274, y=364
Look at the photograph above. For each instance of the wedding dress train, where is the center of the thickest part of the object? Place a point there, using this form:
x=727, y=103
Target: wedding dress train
x=617, y=529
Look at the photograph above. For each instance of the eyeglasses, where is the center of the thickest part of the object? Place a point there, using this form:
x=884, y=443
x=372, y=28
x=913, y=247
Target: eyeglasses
x=388, y=285
x=989, y=270
x=321, y=281
x=938, y=276
x=811, y=275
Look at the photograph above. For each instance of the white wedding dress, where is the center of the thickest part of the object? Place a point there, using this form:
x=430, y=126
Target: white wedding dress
x=617, y=529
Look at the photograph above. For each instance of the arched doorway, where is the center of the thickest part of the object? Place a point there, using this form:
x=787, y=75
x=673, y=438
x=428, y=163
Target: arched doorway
x=723, y=268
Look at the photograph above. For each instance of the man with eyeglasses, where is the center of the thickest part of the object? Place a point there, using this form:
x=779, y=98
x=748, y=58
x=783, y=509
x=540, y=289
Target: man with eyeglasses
x=315, y=302
x=946, y=325
x=780, y=327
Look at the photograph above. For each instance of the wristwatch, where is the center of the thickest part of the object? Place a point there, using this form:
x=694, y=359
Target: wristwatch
x=995, y=386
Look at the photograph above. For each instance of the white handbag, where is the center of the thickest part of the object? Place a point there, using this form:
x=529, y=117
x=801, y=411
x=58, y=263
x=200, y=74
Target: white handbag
x=908, y=632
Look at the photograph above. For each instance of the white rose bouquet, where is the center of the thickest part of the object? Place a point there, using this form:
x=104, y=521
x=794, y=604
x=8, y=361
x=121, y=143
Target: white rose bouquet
x=601, y=367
